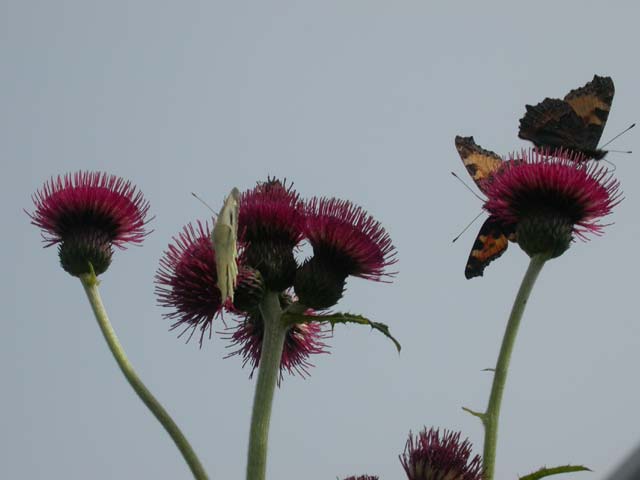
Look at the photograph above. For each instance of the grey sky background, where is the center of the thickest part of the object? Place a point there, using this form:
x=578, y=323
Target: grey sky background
x=359, y=100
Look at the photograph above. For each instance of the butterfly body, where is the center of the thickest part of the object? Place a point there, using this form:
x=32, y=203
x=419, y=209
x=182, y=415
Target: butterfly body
x=494, y=236
x=575, y=123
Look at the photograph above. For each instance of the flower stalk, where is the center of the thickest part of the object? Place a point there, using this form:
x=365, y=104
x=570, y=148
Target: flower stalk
x=90, y=284
x=491, y=417
x=268, y=372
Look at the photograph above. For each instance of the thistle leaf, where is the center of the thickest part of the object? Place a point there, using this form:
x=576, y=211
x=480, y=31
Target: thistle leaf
x=335, y=318
x=546, y=472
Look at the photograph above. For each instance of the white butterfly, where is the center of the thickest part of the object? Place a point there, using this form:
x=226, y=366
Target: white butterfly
x=225, y=238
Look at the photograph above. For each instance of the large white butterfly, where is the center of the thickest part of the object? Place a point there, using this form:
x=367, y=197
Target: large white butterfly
x=225, y=238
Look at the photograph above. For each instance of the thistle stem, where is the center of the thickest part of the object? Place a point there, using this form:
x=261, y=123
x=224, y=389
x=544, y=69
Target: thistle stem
x=269, y=369
x=90, y=284
x=491, y=416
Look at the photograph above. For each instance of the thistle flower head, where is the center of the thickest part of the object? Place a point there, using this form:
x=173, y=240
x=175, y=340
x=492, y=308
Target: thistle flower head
x=86, y=213
x=345, y=235
x=346, y=241
x=551, y=198
x=186, y=281
x=431, y=456
x=270, y=225
x=271, y=212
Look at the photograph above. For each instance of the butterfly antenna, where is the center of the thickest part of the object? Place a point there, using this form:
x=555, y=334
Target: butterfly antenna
x=467, y=227
x=622, y=132
x=205, y=203
x=613, y=165
x=467, y=187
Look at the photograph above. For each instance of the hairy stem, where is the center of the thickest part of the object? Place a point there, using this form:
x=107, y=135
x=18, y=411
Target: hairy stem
x=269, y=370
x=90, y=284
x=491, y=416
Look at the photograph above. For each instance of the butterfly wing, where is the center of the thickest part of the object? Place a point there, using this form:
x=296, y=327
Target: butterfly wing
x=592, y=104
x=225, y=238
x=491, y=242
x=480, y=163
x=552, y=123
x=575, y=123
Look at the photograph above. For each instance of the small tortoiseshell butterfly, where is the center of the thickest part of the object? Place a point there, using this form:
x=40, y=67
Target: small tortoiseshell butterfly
x=494, y=236
x=575, y=123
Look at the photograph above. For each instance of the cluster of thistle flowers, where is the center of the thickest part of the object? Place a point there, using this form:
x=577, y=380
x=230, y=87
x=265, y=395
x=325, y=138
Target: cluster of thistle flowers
x=86, y=214
x=548, y=199
x=273, y=221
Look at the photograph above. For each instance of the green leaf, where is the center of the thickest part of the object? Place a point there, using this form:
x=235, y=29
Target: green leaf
x=482, y=416
x=334, y=318
x=545, y=472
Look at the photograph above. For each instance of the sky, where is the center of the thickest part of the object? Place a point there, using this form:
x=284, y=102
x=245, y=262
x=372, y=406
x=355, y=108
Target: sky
x=359, y=100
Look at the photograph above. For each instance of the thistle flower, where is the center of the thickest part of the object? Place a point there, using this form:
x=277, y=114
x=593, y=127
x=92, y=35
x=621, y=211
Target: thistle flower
x=187, y=281
x=430, y=456
x=270, y=225
x=346, y=241
x=302, y=341
x=86, y=213
x=272, y=211
x=550, y=198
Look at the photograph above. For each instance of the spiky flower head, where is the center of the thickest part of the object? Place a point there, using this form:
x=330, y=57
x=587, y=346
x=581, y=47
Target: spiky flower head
x=86, y=213
x=550, y=198
x=346, y=240
x=301, y=341
x=270, y=224
x=186, y=281
x=271, y=211
x=431, y=456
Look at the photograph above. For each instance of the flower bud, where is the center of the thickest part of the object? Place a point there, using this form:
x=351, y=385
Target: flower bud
x=274, y=261
x=83, y=251
x=319, y=286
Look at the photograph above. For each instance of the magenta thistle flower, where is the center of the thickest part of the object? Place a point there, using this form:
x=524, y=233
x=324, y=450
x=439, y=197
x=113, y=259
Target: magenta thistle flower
x=302, y=341
x=270, y=224
x=550, y=198
x=187, y=281
x=271, y=212
x=346, y=241
x=431, y=456
x=348, y=236
x=86, y=213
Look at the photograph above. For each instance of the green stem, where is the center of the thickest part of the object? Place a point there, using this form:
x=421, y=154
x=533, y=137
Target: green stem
x=491, y=416
x=272, y=344
x=90, y=284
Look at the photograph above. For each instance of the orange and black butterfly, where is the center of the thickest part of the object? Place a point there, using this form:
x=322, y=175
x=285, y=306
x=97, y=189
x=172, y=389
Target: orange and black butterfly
x=494, y=236
x=575, y=123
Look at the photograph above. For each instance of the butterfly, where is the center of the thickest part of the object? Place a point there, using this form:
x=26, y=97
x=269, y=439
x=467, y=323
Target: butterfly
x=494, y=236
x=575, y=123
x=225, y=239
